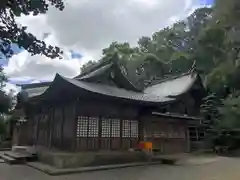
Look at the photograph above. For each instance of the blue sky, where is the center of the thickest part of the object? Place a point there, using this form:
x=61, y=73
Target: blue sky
x=206, y=2
x=16, y=49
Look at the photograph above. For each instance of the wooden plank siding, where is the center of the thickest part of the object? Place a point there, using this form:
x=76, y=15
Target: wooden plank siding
x=92, y=126
x=168, y=135
x=53, y=127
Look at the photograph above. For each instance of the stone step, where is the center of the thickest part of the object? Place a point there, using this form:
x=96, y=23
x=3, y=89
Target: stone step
x=24, y=149
x=8, y=159
x=23, y=156
x=17, y=155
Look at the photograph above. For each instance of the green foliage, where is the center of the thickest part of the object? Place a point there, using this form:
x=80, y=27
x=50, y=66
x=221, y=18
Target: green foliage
x=230, y=112
x=11, y=32
x=87, y=67
x=5, y=102
x=218, y=79
x=168, y=52
x=209, y=109
x=3, y=78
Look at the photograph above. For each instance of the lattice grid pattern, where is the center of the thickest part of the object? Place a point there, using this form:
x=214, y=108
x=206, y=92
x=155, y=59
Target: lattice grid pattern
x=134, y=128
x=93, y=127
x=115, y=128
x=106, y=127
x=126, y=131
x=82, y=126
x=130, y=128
x=89, y=127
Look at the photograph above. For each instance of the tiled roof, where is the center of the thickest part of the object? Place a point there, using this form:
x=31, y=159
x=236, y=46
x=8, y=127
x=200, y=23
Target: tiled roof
x=115, y=92
x=34, y=85
x=165, y=90
x=172, y=86
x=95, y=73
x=162, y=92
x=32, y=92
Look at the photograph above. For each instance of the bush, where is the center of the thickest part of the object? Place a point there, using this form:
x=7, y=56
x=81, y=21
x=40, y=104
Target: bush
x=227, y=139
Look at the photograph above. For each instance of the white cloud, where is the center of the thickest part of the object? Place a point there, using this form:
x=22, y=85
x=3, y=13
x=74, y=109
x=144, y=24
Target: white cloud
x=88, y=26
x=23, y=66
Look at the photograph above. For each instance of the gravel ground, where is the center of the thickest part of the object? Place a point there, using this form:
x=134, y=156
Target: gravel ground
x=195, y=168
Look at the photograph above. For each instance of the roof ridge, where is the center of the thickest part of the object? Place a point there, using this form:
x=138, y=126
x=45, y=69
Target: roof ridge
x=170, y=78
x=116, y=64
x=86, y=76
x=120, y=92
x=93, y=68
x=35, y=85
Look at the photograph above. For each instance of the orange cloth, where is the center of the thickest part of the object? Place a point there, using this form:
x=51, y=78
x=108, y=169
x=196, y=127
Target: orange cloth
x=145, y=145
x=148, y=145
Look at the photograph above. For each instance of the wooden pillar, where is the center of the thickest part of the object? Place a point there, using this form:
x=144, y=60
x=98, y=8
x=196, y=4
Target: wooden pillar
x=99, y=132
x=187, y=136
x=88, y=133
x=110, y=142
x=121, y=129
x=62, y=126
x=141, y=129
x=51, y=122
x=37, y=133
x=196, y=131
x=75, y=120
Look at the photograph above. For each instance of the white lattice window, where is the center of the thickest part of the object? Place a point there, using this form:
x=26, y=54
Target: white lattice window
x=93, y=127
x=82, y=126
x=126, y=128
x=106, y=127
x=115, y=128
x=134, y=128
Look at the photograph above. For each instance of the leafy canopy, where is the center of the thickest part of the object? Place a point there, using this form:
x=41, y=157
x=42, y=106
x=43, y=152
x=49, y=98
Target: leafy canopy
x=11, y=32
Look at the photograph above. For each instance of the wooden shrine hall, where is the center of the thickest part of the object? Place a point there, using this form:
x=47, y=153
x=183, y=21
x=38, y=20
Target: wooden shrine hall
x=103, y=110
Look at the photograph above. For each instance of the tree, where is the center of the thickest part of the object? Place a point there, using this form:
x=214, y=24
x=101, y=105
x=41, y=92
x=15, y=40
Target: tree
x=226, y=14
x=221, y=40
x=11, y=32
x=145, y=44
x=210, y=110
x=143, y=68
x=5, y=102
x=87, y=67
x=230, y=112
x=3, y=78
x=168, y=52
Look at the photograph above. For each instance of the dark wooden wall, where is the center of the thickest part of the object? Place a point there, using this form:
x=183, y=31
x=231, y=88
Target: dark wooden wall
x=57, y=126
x=168, y=135
x=53, y=126
x=185, y=104
x=100, y=125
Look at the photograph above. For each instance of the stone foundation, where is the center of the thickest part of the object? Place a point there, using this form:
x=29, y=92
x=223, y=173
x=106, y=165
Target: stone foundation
x=80, y=159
